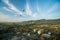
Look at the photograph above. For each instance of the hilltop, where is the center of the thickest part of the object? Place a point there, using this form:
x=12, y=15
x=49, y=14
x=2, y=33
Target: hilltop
x=42, y=21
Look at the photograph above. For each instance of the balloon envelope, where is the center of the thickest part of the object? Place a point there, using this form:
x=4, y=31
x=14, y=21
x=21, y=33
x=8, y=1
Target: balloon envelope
x=23, y=10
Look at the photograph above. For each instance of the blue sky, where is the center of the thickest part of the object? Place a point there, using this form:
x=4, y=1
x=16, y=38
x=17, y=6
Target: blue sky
x=11, y=10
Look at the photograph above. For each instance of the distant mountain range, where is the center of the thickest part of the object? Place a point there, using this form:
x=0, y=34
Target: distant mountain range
x=42, y=21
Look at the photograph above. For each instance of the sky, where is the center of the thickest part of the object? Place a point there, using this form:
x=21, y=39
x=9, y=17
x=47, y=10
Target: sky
x=24, y=10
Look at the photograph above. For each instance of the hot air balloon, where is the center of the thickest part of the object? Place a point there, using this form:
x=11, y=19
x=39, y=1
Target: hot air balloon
x=22, y=11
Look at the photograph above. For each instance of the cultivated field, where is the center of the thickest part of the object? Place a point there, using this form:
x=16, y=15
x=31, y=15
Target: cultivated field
x=31, y=30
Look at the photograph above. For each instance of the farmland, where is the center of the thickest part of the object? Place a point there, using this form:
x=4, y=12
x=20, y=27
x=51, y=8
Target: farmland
x=10, y=29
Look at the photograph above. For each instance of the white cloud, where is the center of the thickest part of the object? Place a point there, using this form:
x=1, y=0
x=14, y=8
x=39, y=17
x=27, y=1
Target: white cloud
x=28, y=10
x=54, y=7
x=38, y=9
x=35, y=15
x=12, y=7
x=5, y=8
x=6, y=18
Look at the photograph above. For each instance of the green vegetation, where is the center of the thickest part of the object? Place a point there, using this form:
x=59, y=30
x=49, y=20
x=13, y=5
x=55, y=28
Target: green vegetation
x=8, y=29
